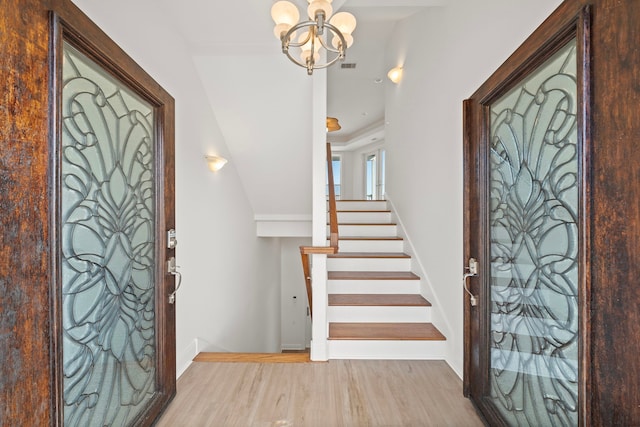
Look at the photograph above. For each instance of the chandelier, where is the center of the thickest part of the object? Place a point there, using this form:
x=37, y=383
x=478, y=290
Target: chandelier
x=314, y=33
x=332, y=124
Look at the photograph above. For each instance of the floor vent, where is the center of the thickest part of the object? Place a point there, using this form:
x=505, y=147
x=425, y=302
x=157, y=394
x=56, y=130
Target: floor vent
x=348, y=65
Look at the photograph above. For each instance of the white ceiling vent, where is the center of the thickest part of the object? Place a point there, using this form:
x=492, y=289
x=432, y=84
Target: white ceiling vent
x=348, y=65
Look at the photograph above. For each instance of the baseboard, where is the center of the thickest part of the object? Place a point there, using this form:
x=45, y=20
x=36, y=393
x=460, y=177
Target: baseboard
x=319, y=351
x=285, y=347
x=185, y=358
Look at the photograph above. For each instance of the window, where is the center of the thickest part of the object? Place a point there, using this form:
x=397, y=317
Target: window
x=336, y=164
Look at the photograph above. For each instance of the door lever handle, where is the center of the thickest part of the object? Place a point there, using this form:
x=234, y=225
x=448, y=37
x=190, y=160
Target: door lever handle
x=473, y=271
x=472, y=298
x=172, y=269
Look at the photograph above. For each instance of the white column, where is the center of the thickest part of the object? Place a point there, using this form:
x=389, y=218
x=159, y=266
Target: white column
x=319, y=350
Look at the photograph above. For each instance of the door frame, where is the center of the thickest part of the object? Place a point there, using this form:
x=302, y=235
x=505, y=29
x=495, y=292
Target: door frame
x=70, y=24
x=570, y=20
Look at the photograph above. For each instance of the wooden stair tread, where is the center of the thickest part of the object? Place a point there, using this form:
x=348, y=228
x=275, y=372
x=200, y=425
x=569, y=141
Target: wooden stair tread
x=369, y=255
x=372, y=275
x=378, y=300
x=384, y=331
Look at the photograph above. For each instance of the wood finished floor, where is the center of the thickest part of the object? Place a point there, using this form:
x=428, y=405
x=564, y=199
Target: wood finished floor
x=349, y=393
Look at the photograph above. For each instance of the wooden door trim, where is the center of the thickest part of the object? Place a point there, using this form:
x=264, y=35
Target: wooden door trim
x=68, y=23
x=585, y=214
x=572, y=19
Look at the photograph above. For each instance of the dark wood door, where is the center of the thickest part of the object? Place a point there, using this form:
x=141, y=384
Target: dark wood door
x=87, y=200
x=525, y=226
x=114, y=203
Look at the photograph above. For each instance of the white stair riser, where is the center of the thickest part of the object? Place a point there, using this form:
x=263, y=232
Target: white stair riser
x=371, y=245
x=364, y=217
x=366, y=230
x=387, y=350
x=373, y=286
x=369, y=264
x=385, y=314
x=361, y=205
x=375, y=349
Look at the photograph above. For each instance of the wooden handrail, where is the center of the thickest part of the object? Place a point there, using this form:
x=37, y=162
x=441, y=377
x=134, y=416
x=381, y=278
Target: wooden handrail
x=333, y=213
x=306, y=251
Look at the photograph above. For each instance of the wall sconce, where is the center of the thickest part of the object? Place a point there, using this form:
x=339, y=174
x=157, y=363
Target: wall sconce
x=395, y=74
x=215, y=163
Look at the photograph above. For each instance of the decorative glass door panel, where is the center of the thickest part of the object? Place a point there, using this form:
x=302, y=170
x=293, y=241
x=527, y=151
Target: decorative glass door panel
x=533, y=237
x=108, y=215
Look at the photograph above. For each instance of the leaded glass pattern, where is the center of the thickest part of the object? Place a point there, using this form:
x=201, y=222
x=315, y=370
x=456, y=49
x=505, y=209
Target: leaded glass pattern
x=108, y=247
x=534, y=247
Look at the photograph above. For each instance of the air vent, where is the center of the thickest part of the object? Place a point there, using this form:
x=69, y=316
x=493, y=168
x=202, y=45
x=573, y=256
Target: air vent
x=348, y=65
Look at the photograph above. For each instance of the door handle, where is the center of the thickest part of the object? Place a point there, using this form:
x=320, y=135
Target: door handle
x=472, y=272
x=172, y=269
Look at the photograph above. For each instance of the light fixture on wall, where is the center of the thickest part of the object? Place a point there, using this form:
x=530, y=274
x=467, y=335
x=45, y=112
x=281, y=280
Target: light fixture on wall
x=215, y=163
x=313, y=37
x=395, y=74
x=332, y=124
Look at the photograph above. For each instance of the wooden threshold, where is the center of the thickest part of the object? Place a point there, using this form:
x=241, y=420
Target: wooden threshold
x=384, y=331
x=370, y=238
x=369, y=255
x=253, y=357
x=372, y=275
x=378, y=300
x=365, y=211
x=365, y=224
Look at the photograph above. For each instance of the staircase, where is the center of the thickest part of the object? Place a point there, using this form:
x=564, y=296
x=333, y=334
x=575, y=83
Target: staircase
x=375, y=307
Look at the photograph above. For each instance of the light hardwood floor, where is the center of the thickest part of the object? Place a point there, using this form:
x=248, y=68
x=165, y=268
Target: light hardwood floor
x=349, y=393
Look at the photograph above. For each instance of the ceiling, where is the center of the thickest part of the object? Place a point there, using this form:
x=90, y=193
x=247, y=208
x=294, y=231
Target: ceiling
x=262, y=102
x=355, y=96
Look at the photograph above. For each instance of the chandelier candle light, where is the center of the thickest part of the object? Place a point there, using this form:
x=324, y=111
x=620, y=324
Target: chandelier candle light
x=313, y=36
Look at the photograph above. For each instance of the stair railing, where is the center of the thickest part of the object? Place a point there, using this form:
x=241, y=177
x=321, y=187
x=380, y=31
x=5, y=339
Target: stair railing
x=307, y=251
x=333, y=213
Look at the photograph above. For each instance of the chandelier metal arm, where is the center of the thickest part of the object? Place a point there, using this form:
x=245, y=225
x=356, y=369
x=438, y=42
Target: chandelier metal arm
x=315, y=31
x=334, y=36
x=320, y=21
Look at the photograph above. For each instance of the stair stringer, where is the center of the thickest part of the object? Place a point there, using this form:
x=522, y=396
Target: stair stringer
x=438, y=318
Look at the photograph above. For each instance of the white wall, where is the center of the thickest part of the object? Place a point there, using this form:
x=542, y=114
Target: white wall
x=230, y=298
x=266, y=119
x=447, y=53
